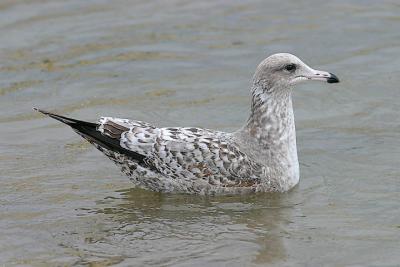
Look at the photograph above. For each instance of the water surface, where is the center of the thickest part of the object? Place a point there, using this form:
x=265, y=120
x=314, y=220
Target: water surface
x=187, y=63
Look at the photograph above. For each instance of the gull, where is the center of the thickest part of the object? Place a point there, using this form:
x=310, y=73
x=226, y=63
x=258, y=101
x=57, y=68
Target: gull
x=259, y=157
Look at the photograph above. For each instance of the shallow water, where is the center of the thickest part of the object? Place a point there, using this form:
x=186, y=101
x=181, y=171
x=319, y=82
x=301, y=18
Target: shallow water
x=190, y=63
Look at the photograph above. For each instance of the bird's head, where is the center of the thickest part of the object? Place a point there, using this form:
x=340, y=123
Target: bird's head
x=283, y=70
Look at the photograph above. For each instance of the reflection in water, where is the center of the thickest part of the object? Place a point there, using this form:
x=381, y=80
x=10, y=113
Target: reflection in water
x=189, y=63
x=182, y=228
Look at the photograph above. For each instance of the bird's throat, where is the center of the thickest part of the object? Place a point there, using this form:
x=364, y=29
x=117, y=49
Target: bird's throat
x=271, y=120
x=270, y=131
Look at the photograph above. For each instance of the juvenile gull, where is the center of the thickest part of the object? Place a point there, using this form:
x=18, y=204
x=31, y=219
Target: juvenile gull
x=259, y=157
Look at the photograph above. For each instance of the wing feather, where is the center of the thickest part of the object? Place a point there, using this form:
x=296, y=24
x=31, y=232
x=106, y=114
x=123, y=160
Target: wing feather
x=192, y=153
x=186, y=153
x=135, y=136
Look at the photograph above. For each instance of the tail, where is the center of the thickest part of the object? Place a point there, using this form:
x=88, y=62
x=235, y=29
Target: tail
x=88, y=130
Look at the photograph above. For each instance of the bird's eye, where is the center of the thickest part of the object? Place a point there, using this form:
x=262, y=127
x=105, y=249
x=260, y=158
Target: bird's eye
x=290, y=67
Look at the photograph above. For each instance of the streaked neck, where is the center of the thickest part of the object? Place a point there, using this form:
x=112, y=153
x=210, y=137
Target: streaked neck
x=271, y=135
x=271, y=120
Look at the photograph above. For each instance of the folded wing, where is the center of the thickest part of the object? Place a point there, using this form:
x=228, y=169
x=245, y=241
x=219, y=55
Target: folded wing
x=189, y=154
x=185, y=153
x=193, y=153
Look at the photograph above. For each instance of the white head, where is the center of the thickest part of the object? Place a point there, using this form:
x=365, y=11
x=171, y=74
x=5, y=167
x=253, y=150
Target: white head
x=283, y=70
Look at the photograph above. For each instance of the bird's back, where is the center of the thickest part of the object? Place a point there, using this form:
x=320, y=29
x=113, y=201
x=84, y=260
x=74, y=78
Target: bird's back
x=185, y=159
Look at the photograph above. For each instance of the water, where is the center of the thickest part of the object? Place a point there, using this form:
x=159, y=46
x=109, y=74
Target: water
x=190, y=63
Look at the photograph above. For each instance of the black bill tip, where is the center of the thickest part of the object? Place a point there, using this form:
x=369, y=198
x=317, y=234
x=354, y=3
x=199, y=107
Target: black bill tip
x=333, y=78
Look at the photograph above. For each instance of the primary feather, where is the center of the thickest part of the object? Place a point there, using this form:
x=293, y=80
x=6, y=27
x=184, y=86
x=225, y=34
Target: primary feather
x=261, y=156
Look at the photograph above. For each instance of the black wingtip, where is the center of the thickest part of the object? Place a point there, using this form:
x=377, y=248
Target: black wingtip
x=88, y=130
x=47, y=113
x=63, y=119
x=39, y=110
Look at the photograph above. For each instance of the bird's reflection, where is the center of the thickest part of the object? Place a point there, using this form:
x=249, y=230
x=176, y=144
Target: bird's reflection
x=239, y=228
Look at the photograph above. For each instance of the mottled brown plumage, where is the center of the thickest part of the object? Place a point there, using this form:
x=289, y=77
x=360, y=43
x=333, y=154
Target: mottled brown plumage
x=261, y=156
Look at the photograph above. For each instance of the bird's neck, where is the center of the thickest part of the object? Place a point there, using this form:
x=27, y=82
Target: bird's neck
x=271, y=120
x=271, y=131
